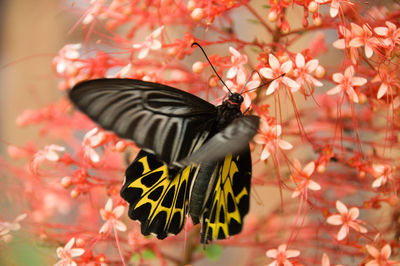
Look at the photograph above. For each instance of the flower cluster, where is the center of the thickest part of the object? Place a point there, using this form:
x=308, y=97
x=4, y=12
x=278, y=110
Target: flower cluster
x=68, y=182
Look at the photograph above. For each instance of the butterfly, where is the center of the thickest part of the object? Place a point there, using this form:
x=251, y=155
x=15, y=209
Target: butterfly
x=194, y=159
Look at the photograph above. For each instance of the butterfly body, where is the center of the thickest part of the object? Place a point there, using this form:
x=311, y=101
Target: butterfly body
x=195, y=156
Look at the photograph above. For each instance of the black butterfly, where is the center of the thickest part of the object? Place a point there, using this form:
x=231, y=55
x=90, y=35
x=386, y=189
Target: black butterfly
x=195, y=156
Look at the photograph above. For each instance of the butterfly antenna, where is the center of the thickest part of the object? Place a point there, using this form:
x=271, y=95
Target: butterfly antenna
x=247, y=81
x=264, y=84
x=215, y=71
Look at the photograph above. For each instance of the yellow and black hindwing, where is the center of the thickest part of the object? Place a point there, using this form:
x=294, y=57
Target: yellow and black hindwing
x=160, y=201
x=156, y=198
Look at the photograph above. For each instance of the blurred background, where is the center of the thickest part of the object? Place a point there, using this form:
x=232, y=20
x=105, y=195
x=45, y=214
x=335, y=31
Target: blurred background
x=32, y=32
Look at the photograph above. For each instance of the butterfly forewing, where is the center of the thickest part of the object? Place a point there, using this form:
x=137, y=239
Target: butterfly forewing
x=165, y=121
x=228, y=201
x=156, y=199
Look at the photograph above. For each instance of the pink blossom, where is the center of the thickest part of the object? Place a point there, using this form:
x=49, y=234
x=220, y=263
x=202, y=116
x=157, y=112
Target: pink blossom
x=391, y=34
x=383, y=173
x=346, y=218
x=237, y=69
x=363, y=37
x=268, y=137
x=111, y=216
x=302, y=177
x=66, y=254
x=347, y=83
x=150, y=43
x=50, y=153
x=380, y=258
x=275, y=72
x=91, y=140
x=387, y=84
x=303, y=72
x=7, y=227
x=344, y=43
x=281, y=255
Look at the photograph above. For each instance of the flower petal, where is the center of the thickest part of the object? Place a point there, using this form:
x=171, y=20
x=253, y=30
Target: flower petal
x=75, y=252
x=386, y=251
x=335, y=219
x=109, y=204
x=358, y=81
x=70, y=243
x=373, y=251
x=287, y=66
x=309, y=168
x=313, y=185
x=352, y=94
x=118, y=211
x=267, y=72
x=334, y=90
x=343, y=232
x=341, y=207
x=274, y=62
x=300, y=61
x=272, y=87
x=382, y=90
x=337, y=77
x=354, y=213
x=284, y=145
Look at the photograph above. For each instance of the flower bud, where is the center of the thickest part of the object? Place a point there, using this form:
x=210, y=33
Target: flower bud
x=198, y=67
x=320, y=72
x=312, y=7
x=66, y=181
x=272, y=16
x=197, y=14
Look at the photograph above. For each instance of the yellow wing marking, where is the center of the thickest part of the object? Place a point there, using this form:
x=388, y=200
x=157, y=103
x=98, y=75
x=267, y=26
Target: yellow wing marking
x=166, y=183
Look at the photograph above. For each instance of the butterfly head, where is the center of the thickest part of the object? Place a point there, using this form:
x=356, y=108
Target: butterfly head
x=235, y=98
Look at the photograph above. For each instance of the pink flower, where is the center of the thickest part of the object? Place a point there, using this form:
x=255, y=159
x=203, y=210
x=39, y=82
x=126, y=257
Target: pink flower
x=282, y=255
x=149, y=44
x=111, y=216
x=66, y=61
x=346, y=83
x=268, y=137
x=7, y=227
x=91, y=140
x=275, y=72
x=67, y=253
x=344, y=43
x=363, y=37
x=383, y=173
x=302, y=177
x=391, y=34
x=50, y=153
x=346, y=218
x=387, y=83
x=380, y=257
x=303, y=72
x=237, y=70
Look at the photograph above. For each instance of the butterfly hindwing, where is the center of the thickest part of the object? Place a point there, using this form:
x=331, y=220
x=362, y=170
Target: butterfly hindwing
x=165, y=121
x=228, y=200
x=156, y=199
